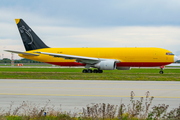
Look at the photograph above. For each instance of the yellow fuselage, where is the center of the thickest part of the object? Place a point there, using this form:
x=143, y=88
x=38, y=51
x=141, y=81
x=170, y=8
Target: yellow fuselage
x=129, y=57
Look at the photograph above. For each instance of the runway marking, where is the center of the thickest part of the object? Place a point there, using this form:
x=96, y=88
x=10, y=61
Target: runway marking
x=83, y=95
x=95, y=82
x=90, y=88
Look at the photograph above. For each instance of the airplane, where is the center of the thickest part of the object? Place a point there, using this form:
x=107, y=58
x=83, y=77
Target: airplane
x=122, y=58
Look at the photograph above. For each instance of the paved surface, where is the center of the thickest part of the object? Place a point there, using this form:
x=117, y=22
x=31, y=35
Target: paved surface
x=80, y=93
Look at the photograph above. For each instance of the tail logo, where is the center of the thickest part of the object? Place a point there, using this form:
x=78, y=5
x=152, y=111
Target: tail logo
x=23, y=30
x=30, y=40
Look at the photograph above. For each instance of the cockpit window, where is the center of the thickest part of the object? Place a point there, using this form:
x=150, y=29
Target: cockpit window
x=169, y=53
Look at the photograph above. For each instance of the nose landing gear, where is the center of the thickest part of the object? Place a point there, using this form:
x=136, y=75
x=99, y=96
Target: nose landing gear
x=161, y=71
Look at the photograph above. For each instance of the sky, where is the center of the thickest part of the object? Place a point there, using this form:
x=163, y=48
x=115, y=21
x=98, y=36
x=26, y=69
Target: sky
x=92, y=23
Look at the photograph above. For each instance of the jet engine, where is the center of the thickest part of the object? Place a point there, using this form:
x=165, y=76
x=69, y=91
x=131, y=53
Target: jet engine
x=106, y=65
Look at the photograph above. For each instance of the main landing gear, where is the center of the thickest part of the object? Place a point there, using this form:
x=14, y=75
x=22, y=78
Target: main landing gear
x=92, y=71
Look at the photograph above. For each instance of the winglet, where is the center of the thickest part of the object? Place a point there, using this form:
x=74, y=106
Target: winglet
x=17, y=21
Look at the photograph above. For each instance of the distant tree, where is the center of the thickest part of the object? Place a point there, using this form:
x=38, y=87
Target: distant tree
x=178, y=61
x=24, y=60
x=6, y=60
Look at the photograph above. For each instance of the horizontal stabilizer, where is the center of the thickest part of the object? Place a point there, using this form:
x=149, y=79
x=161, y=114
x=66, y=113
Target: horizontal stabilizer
x=24, y=53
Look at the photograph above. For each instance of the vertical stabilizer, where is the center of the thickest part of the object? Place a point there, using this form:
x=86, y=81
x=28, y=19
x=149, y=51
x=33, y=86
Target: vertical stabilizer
x=30, y=39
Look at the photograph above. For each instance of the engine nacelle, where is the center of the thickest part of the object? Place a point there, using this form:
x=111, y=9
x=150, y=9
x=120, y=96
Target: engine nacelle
x=106, y=65
x=123, y=68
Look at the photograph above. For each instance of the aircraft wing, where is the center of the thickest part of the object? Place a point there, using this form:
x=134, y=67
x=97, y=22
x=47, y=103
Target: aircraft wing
x=81, y=59
x=24, y=53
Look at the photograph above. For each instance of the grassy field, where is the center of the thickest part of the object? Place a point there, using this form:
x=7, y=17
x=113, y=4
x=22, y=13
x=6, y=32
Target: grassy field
x=76, y=74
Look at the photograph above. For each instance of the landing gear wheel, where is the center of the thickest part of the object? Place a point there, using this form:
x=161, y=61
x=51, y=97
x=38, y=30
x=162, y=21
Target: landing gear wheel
x=161, y=72
x=84, y=71
x=100, y=71
x=89, y=71
x=95, y=71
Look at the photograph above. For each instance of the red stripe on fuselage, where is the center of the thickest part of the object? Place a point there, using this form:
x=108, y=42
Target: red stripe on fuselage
x=122, y=64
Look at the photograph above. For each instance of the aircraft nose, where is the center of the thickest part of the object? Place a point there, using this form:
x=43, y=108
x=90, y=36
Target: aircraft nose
x=175, y=58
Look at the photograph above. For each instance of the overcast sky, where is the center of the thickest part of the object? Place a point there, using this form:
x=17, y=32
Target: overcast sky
x=93, y=23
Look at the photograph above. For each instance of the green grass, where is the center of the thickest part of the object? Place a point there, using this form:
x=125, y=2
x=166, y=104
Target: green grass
x=76, y=74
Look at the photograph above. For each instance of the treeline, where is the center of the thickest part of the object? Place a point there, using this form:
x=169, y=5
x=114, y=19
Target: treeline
x=6, y=60
x=178, y=61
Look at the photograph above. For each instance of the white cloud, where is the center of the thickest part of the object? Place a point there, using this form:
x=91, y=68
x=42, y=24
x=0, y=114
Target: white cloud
x=178, y=57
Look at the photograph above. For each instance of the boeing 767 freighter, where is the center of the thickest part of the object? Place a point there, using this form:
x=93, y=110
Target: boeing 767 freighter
x=101, y=58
